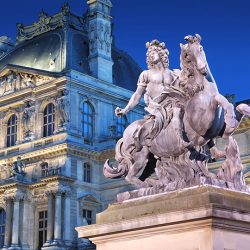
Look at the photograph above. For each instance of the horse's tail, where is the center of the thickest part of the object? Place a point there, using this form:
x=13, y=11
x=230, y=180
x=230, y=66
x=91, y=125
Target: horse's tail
x=124, y=159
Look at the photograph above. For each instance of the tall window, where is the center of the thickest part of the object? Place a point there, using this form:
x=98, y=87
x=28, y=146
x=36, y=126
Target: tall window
x=88, y=122
x=49, y=120
x=12, y=131
x=42, y=229
x=121, y=125
x=87, y=214
x=86, y=172
x=44, y=169
x=2, y=226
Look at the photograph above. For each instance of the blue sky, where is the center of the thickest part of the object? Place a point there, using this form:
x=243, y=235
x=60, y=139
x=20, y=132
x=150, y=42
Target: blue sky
x=223, y=24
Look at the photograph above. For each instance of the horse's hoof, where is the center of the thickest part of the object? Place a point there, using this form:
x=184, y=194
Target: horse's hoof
x=216, y=154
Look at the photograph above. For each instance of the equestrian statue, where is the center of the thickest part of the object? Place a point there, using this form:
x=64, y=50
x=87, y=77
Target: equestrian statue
x=165, y=150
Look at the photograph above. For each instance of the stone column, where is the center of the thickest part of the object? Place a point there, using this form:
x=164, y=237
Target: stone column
x=15, y=225
x=8, y=229
x=67, y=227
x=58, y=218
x=50, y=227
x=26, y=238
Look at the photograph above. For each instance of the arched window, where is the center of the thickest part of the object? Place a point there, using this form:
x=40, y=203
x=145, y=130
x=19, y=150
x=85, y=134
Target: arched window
x=12, y=131
x=121, y=124
x=2, y=226
x=88, y=122
x=49, y=120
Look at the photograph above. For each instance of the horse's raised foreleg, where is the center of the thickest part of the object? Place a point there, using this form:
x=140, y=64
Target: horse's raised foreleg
x=230, y=118
x=244, y=109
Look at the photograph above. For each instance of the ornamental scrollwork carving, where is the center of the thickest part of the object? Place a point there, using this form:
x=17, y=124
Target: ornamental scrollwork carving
x=107, y=38
x=47, y=23
x=100, y=37
x=57, y=188
x=15, y=195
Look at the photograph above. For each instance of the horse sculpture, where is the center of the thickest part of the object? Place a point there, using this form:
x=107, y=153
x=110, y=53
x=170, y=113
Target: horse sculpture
x=185, y=115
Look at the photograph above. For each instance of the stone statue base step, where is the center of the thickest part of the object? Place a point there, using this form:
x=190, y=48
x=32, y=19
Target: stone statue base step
x=199, y=218
x=142, y=192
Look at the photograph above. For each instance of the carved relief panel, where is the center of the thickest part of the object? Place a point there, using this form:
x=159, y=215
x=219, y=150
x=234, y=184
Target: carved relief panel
x=14, y=81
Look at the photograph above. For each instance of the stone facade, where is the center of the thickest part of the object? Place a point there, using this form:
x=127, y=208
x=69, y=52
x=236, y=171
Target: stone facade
x=58, y=93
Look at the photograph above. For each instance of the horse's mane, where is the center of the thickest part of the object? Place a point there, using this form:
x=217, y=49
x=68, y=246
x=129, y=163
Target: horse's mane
x=187, y=81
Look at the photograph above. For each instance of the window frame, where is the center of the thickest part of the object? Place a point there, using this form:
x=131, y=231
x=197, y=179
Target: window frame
x=88, y=122
x=49, y=126
x=86, y=212
x=87, y=172
x=2, y=226
x=44, y=228
x=11, y=137
x=44, y=169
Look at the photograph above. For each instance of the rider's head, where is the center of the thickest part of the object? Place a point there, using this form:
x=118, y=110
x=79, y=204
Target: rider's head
x=157, y=52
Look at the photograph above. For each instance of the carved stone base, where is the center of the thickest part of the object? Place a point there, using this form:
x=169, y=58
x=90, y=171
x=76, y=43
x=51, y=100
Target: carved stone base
x=15, y=247
x=28, y=138
x=61, y=129
x=199, y=218
x=56, y=246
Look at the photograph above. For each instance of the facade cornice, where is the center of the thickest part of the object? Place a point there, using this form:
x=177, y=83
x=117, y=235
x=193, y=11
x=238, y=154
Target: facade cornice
x=94, y=155
x=97, y=85
x=48, y=150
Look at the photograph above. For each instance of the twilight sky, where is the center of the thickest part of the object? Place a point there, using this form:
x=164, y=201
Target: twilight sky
x=223, y=24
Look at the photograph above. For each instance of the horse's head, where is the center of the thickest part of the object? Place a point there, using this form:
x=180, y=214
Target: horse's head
x=192, y=54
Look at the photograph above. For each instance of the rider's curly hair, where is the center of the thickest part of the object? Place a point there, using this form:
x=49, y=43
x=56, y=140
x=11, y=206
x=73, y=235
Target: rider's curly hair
x=161, y=49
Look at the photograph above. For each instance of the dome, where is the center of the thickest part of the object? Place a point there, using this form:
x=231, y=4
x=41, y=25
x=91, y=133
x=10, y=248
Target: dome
x=56, y=49
x=125, y=70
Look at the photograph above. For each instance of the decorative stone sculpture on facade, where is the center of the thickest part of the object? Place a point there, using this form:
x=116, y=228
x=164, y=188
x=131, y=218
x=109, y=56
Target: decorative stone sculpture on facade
x=18, y=167
x=63, y=104
x=27, y=121
x=185, y=113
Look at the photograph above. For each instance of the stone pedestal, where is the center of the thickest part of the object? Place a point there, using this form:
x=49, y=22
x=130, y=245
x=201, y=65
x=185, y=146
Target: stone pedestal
x=199, y=218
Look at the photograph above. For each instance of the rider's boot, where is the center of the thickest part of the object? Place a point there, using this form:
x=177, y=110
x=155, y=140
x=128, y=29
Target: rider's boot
x=178, y=127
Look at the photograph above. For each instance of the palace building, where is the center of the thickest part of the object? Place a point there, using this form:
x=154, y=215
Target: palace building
x=59, y=85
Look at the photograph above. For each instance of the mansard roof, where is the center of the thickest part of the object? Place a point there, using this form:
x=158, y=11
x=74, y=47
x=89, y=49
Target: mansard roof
x=60, y=43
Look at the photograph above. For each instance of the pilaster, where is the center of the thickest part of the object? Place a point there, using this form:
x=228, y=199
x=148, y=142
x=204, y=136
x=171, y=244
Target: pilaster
x=8, y=225
x=15, y=225
x=67, y=219
x=100, y=39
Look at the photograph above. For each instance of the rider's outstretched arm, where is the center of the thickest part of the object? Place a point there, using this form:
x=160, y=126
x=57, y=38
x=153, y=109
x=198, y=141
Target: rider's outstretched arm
x=135, y=98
